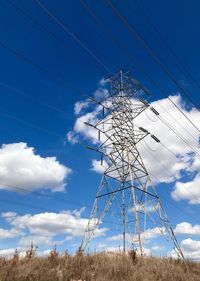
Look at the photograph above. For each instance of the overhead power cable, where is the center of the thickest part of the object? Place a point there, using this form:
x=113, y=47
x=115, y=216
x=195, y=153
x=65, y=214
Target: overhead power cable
x=161, y=38
x=179, y=123
x=174, y=130
x=172, y=101
x=89, y=10
x=31, y=125
x=41, y=26
x=34, y=192
x=150, y=51
x=179, y=135
x=39, y=208
x=22, y=93
x=184, y=115
x=177, y=157
x=181, y=210
x=71, y=34
x=51, y=196
x=29, y=61
x=133, y=58
x=166, y=169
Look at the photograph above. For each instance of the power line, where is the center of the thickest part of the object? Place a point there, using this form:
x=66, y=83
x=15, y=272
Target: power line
x=42, y=27
x=166, y=169
x=30, y=124
x=179, y=135
x=176, y=120
x=174, y=154
x=184, y=114
x=155, y=83
x=174, y=130
x=36, y=193
x=158, y=161
x=145, y=45
x=22, y=93
x=130, y=56
x=115, y=40
x=28, y=61
x=175, y=206
x=180, y=64
x=39, y=208
x=71, y=34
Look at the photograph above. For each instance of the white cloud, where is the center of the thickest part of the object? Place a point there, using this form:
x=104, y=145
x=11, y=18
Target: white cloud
x=147, y=235
x=149, y=208
x=190, y=249
x=79, y=106
x=29, y=170
x=43, y=227
x=99, y=167
x=103, y=82
x=100, y=93
x=9, y=253
x=187, y=228
x=82, y=129
x=9, y=233
x=72, y=137
x=166, y=167
x=188, y=190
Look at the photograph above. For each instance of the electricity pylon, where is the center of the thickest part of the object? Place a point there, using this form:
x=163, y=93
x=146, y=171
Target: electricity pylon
x=125, y=181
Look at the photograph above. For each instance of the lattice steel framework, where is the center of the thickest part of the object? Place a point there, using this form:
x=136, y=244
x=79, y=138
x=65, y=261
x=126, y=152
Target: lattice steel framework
x=125, y=181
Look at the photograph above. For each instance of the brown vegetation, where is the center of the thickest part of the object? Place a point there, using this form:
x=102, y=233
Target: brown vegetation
x=96, y=267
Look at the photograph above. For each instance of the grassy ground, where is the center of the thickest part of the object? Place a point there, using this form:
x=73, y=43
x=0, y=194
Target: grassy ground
x=97, y=267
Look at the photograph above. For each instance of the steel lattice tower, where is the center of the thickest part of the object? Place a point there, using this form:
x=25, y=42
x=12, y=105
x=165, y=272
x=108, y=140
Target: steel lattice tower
x=125, y=181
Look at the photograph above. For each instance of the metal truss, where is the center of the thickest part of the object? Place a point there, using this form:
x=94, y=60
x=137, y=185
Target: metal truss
x=125, y=182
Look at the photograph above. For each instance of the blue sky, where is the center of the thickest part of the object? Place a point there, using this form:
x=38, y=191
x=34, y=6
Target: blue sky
x=37, y=108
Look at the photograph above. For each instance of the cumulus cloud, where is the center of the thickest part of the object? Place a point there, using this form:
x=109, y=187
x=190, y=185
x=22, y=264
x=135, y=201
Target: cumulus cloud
x=146, y=235
x=43, y=227
x=29, y=170
x=99, y=167
x=188, y=190
x=190, y=249
x=72, y=137
x=168, y=167
x=148, y=208
x=187, y=228
x=9, y=233
x=9, y=253
x=79, y=106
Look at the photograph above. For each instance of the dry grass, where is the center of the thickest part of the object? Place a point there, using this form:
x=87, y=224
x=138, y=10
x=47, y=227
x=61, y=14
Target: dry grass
x=97, y=267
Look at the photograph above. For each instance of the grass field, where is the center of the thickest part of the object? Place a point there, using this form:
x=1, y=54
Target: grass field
x=97, y=267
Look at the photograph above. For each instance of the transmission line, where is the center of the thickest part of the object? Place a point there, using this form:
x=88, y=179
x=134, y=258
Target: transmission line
x=30, y=124
x=23, y=94
x=174, y=130
x=36, y=193
x=71, y=34
x=39, y=208
x=179, y=62
x=176, y=206
x=184, y=114
x=42, y=27
x=189, y=133
x=150, y=51
x=29, y=61
x=174, y=154
x=155, y=83
x=130, y=56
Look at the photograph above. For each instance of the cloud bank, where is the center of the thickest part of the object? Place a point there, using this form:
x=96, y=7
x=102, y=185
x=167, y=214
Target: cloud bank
x=21, y=167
